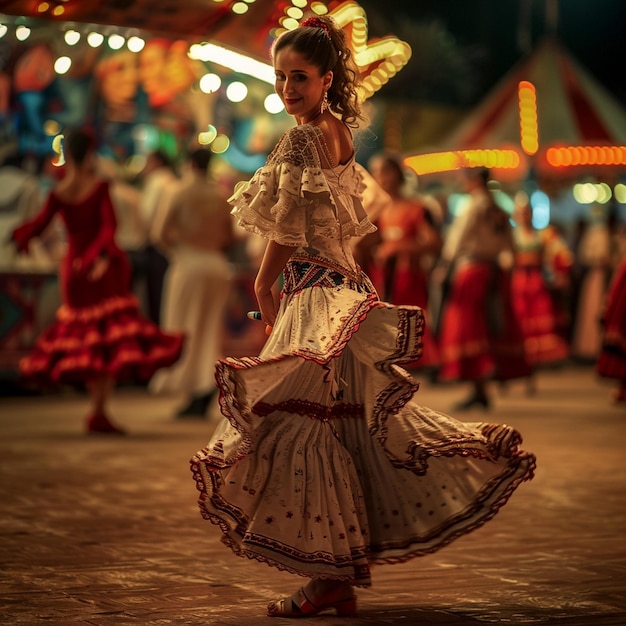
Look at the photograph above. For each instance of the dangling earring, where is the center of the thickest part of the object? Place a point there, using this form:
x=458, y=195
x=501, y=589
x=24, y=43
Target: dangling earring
x=324, y=106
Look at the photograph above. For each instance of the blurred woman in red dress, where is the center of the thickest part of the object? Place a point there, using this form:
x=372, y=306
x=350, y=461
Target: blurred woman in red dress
x=99, y=336
x=409, y=245
x=612, y=360
x=479, y=335
x=542, y=266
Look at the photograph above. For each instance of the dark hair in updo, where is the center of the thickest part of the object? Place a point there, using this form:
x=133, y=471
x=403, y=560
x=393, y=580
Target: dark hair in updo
x=78, y=144
x=324, y=45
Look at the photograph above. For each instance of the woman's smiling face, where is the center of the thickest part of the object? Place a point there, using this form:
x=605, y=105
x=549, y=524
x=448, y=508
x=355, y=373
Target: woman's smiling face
x=299, y=84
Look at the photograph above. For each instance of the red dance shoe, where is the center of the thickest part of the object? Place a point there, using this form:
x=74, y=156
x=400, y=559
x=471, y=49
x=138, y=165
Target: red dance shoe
x=99, y=424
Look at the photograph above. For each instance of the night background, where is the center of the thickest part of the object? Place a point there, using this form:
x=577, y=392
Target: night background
x=479, y=41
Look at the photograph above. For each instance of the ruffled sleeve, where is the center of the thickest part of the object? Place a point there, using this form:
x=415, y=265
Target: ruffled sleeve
x=292, y=198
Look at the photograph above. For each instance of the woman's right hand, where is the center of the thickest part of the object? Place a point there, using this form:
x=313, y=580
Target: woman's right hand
x=267, y=306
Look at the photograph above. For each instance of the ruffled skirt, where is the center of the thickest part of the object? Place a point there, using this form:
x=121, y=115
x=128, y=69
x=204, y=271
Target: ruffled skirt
x=480, y=335
x=324, y=463
x=540, y=318
x=110, y=338
x=612, y=360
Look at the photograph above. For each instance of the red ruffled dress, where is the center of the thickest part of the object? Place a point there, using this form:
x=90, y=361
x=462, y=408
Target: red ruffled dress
x=612, y=360
x=401, y=279
x=542, y=320
x=99, y=330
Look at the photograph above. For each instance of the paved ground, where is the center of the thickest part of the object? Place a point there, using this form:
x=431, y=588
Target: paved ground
x=105, y=531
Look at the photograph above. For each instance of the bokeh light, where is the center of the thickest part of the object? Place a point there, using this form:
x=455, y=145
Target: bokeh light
x=62, y=65
x=273, y=104
x=236, y=91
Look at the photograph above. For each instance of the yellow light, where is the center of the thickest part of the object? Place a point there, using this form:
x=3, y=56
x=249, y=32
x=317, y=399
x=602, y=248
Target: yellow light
x=294, y=12
x=299, y=3
x=51, y=128
x=208, y=136
x=289, y=23
x=529, y=136
x=57, y=147
x=239, y=8
x=458, y=159
x=211, y=131
x=220, y=144
x=58, y=10
x=319, y=7
x=377, y=60
x=604, y=193
x=620, y=193
x=43, y=7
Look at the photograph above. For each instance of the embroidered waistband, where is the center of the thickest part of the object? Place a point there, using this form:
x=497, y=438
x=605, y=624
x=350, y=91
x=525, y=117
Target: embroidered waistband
x=302, y=272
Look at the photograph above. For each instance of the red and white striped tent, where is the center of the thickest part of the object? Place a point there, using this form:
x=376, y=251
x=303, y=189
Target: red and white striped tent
x=549, y=110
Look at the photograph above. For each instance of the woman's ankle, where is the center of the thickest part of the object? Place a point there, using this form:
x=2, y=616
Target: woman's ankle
x=328, y=589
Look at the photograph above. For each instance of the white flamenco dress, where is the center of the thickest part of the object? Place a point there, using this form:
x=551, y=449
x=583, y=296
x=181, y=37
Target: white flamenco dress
x=324, y=464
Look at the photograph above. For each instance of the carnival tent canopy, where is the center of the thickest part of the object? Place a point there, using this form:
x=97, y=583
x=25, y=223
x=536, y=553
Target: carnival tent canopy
x=572, y=107
x=547, y=109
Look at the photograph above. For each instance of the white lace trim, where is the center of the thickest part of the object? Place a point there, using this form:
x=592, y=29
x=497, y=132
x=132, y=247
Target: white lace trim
x=292, y=199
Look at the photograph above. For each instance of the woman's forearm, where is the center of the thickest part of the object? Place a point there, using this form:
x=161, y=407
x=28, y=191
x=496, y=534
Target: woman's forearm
x=274, y=260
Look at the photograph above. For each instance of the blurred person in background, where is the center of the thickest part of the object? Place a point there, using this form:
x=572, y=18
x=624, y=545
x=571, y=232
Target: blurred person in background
x=130, y=234
x=408, y=248
x=21, y=198
x=159, y=181
x=479, y=335
x=541, y=268
x=612, y=360
x=195, y=231
x=593, y=261
x=99, y=336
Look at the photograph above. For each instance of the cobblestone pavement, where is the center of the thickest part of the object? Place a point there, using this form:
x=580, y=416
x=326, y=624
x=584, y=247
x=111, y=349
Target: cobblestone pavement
x=105, y=530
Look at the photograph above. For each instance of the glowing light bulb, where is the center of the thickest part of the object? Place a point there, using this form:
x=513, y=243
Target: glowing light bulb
x=273, y=104
x=22, y=33
x=236, y=91
x=239, y=8
x=95, y=39
x=62, y=65
x=135, y=44
x=210, y=83
x=116, y=42
x=72, y=37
